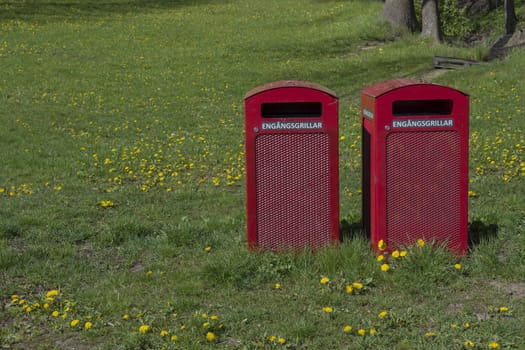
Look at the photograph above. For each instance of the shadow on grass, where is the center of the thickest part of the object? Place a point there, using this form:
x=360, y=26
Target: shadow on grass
x=479, y=231
x=350, y=231
x=57, y=10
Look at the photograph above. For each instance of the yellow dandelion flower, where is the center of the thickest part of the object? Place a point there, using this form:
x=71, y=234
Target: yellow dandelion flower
x=55, y=313
x=272, y=337
x=281, y=341
x=88, y=325
x=357, y=285
x=206, y=324
x=52, y=293
x=380, y=258
x=125, y=316
x=385, y=267
x=347, y=329
x=174, y=338
x=207, y=249
x=457, y=266
x=381, y=245
x=324, y=280
x=396, y=254
x=144, y=328
x=430, y=334
x=163, y=333
x=420, y=243
x=349, y=289
x=45, y=306
x=210, y=336
x=468, y=344
x=503, y=309
x=383, y=314
x=277, y=286
x=74, y=323
x=214, y=317
x=361, y=332
x=494, y=345
x=328, y=309
x=403, y=253
x=372, y=331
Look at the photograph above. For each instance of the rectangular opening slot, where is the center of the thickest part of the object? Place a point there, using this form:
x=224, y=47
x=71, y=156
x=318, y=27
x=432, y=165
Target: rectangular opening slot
x=421, y=107
x=292, y=110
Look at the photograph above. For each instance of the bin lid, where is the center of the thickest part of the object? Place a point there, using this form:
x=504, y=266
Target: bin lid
x=384, y=87
x=288, y=84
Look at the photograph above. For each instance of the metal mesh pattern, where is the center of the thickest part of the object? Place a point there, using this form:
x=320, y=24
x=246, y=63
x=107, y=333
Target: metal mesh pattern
x=422, y=189
x=293, y=194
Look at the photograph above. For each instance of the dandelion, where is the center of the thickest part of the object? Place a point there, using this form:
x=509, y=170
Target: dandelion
x=381, y=245
x=74, y=323
x=347, y=329
x=324, y=280
x=357, y=285
x=385, y=267
x=52, y=293
x=380, y=258
x=207, y=249
x=361, y=332
x=174, y=338
x=420, y=243
x=494, y=345
x=163, y=333
x=328, y=309
x=272, y=338
x=106, y=204
x=468, y=344
x=55, y=313
x=372, y=331
x=383, y=314
x=403, y=253
x=395, y=254
x=144, y=328
x=457, y=266
x=125, y=316
x=466, y=325
x=210, y=336
x=349, y=289
x=281, y=341
x=430, y=334
x=503, y=309
x=88, y=325
x=214, y=317
x=277, y=286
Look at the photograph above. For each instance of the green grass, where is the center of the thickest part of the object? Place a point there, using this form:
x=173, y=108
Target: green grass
x=123, y=159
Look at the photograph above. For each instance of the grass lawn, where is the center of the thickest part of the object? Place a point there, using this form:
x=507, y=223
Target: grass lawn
x=122, y=196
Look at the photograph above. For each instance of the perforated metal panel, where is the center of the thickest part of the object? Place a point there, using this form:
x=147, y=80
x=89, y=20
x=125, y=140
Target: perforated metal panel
x=292, y=190
x=422, y=188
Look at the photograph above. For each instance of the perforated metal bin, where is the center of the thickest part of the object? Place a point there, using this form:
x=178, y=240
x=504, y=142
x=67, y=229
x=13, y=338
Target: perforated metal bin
x=292, y=175
x=415, y=164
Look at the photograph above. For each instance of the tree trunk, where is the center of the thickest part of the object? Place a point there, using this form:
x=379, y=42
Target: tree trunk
x=400, y=13
x=510, y=17
x=430, y=20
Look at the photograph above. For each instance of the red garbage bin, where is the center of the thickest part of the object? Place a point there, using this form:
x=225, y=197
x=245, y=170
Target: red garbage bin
x=415, y=164
x=292, y=175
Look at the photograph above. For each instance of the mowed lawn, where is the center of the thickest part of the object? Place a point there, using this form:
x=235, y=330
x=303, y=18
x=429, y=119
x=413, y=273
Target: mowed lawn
x=122, y=194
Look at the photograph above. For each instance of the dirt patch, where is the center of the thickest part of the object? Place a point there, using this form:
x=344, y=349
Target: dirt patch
x=515, y=290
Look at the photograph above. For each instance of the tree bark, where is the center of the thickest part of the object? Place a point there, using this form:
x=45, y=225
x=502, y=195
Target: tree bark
x=400, y=13
x=430, y=20
x=510, y=17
